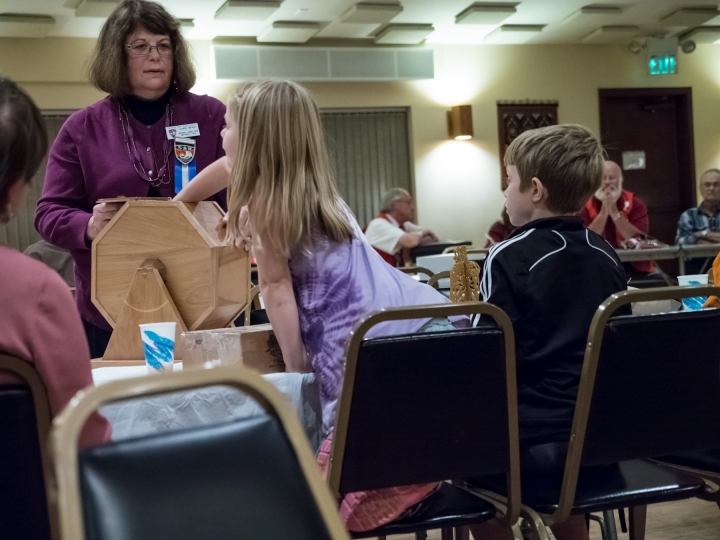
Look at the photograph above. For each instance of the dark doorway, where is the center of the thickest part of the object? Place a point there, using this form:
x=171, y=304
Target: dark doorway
x=658, y=122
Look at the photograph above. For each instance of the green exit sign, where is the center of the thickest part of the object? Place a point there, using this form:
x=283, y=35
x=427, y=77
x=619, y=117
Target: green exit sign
x=663, y=65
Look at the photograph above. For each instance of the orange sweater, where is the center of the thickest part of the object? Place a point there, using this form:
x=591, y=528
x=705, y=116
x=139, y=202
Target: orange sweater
x=714, y=301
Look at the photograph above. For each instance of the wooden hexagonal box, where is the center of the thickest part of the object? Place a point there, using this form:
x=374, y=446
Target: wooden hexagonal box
x=160, y=248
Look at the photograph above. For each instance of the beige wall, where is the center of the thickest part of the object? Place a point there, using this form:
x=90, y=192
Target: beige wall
x=457, y=183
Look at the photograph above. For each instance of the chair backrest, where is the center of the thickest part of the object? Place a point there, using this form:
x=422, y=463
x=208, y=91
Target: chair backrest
x=435, y=279
x=427, y=406
x=25, y=507
x=650, y=384
x=247, y=478
x=410, y=270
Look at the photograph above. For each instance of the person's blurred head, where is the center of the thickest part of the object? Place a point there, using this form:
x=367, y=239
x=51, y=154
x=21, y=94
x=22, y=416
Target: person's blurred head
x=612, y=181
x=710, y=186
x=398, y=203
x=23, y=143
x=280, y=167
x=556, y=168
x=141, y=51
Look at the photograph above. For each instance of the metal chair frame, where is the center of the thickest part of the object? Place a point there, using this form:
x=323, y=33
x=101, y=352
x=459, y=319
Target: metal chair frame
x=508, y=508
x=584, y=401
x=43, y=418
x=67, y=427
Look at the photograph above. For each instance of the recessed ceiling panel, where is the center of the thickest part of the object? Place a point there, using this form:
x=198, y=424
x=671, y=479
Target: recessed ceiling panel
x=691, y=16
x=703, y=34
x=95, y=8
x=611, y=34
x=371, y=13
x=486, y=13
x=247, y=10
x=590, y=14
x=289, y=32
x=23, y=25
x=404, y=34
x=514, y=33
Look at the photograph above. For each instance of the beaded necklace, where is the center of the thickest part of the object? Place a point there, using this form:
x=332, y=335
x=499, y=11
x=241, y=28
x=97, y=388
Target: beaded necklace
x=133, y=151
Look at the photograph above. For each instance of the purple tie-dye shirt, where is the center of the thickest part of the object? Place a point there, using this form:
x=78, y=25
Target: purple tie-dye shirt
x=337, y=285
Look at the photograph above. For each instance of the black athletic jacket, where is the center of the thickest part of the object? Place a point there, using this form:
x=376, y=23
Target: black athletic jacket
x=549, y=277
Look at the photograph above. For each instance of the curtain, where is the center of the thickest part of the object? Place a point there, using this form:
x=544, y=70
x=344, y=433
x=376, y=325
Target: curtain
x=370, y=152
x=20, y=232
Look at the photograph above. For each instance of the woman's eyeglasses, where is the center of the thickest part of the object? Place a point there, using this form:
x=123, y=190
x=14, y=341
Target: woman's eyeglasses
x=144, y=49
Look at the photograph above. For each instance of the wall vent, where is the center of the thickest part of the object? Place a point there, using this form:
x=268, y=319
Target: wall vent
x=237, y=62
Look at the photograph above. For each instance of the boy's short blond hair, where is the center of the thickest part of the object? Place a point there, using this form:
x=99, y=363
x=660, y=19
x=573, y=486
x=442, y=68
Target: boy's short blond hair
x=567, y=159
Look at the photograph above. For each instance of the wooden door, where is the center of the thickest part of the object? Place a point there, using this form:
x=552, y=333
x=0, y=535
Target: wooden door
x=658, y=122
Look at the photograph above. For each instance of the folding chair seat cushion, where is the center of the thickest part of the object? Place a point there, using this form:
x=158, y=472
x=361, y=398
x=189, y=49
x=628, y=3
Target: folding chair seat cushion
x=450, y=506
x=238, y=479
x=628, y=483
x=23, y=506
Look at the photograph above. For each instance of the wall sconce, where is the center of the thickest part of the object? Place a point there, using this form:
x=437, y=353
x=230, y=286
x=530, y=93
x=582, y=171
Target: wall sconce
x=459, y=122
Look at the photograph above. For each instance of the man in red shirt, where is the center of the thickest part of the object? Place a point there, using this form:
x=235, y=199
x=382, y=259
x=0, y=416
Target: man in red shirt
x=617, y=214
x=392, y=231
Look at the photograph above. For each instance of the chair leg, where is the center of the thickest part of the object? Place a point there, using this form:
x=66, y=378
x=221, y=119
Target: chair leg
x=609, y=517
x=623, y=524
x=638, y=517
x=446, y=534
x=601, y=522
x=421, y=535
x=462, y=533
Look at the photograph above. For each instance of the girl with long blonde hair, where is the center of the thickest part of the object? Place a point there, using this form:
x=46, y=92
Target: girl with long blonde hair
x=317, y=273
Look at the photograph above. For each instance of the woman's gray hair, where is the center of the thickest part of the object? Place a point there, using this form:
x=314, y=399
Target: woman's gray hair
x=108, y=67
x=390, y=196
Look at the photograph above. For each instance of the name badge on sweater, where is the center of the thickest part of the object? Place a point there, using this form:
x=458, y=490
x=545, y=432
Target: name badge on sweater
x=186, y=130
x=185, y=169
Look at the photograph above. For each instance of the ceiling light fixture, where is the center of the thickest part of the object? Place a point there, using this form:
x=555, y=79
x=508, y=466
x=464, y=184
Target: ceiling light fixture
x=591, y=13
x=25, y=25
x=514, y=33
x=703, y=34
x=289, y=32
x=247, y=10
x=404, y=34
x=371, y=13
x=95, y=8
x=691, y=16
x=486, y=13
x=459, y=122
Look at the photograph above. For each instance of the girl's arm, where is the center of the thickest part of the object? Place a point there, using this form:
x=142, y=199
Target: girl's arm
x=276, y=288
x=207, y=183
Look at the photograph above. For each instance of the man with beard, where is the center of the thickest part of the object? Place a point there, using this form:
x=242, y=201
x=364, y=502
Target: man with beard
x=617, y=215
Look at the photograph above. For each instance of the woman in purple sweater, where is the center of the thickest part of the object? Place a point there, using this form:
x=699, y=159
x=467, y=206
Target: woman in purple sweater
x=121, y=145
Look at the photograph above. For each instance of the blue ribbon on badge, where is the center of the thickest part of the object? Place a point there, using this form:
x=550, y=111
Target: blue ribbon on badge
x=185, y=169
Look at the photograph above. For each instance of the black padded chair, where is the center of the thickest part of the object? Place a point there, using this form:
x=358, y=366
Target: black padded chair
x=252, y=478
x=429, y=407
x=253, y=313
x=650, y=386
x=26, y=509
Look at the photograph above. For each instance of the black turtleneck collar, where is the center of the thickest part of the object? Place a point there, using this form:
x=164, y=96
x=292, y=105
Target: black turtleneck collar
x=148, y=111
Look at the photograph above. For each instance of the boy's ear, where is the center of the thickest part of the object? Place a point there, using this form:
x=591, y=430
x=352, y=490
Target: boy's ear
x=538, y=190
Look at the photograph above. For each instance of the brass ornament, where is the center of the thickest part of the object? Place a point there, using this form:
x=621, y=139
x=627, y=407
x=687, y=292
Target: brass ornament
x=464, y=278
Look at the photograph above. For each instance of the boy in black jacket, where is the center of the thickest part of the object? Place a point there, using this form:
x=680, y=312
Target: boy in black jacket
x=550, y=276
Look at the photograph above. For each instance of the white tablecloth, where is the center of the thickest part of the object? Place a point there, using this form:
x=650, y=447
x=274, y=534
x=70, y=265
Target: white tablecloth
x=209, y=405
